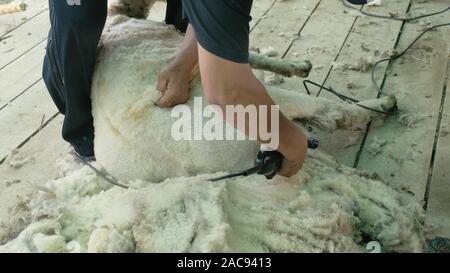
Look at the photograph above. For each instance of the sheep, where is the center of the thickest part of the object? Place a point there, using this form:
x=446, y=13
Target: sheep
x=135, y=51
x=172, y=207
x=131, y=8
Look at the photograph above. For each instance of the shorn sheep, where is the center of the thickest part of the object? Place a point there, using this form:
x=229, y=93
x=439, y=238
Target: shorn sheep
x=172, y=207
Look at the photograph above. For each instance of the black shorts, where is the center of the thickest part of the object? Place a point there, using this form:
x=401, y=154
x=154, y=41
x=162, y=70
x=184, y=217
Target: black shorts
x=221, y=26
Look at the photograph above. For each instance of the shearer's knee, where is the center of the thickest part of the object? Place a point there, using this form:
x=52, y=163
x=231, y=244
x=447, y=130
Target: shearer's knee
x=87, y=15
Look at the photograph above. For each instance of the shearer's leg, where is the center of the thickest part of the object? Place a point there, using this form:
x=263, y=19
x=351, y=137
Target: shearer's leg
x=69, y=63
x=330, y=114
x=174, y=15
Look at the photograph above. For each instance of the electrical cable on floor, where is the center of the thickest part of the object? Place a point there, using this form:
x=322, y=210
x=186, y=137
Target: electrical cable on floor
x=398, y=55
x=394, y=57
x=389, y=17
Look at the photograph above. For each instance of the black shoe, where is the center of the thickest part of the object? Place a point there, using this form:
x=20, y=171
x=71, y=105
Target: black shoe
x=87, y=157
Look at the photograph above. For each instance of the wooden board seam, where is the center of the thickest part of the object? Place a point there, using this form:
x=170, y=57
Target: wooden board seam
x=21, y=93
x=302, y=27
x=262, y=16
x=24, y=22
x=436, y=140
x=44, y=124
x=21, y=55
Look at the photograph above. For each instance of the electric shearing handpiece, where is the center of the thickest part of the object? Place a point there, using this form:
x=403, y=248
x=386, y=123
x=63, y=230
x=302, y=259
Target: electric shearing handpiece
x=268, y=163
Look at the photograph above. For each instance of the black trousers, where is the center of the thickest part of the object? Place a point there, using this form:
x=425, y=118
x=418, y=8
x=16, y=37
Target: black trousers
x=76, y=27
x=174, y=15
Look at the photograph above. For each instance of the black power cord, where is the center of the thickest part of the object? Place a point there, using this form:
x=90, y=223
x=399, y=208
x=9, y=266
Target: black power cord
x=398, y=55
x=392, y=58
x=404, y=19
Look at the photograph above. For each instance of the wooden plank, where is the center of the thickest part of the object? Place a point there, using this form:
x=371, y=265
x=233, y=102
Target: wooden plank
x=282, y=38
x=259, y=9
x=24, y=38
x=23, y=117
x=17, y=77
x=438, y=210
x=13, y=21
x=158, y=12
x=42, y=151
x=269, y=30
x=369, y=38
x=320, y=41
x=417, y=79
x=438, y=205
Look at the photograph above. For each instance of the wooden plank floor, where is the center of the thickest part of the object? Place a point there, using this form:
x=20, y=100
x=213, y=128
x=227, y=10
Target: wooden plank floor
x=415, y=149
x=418, y=80
x=438, y=206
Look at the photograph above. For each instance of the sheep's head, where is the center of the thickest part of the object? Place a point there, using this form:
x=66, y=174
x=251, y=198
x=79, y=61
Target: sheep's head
x=131, y=8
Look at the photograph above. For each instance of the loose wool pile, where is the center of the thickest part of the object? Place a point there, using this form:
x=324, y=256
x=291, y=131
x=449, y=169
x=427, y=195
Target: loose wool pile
x=171, y=206
x=328, y=208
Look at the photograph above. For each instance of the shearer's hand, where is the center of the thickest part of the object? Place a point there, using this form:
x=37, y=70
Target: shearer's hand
x=174, y=83
x=296, y=147
x=175, y=79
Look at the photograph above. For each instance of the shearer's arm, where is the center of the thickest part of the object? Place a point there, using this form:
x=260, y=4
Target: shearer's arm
x=229, y=83
x=174, y=80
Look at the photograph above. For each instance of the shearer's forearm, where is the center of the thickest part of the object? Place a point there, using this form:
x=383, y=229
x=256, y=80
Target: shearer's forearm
x=187, y=55
x=229, y=84
x=254, y=93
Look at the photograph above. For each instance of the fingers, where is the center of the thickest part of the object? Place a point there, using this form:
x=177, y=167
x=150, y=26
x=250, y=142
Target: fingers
x=290, y=168
x=166, y=101
x=174, y=95
x=298, y=149
x=175, y=87
x=163, y=82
